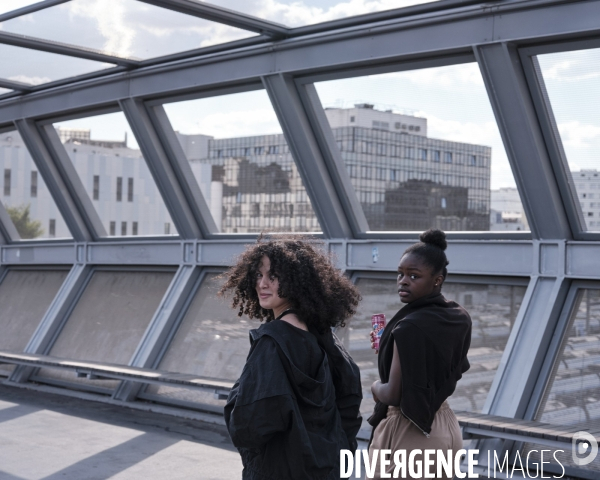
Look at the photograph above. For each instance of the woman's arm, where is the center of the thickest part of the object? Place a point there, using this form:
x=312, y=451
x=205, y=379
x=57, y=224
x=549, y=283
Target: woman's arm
x=390, y=393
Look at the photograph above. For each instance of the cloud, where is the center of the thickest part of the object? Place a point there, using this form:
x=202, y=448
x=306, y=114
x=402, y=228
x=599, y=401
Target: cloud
x=241, y=123
x=578, y=135
x=299, y=13
x=29, y=80
x=109, y=16
x=570, y=67
x=449, y=77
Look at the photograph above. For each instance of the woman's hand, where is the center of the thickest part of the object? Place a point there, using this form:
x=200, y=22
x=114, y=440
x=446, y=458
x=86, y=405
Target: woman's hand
x=374, y=387
x=372, y=337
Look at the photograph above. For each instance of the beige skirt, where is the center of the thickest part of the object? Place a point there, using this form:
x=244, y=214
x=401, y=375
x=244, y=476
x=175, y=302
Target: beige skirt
x=396, y=432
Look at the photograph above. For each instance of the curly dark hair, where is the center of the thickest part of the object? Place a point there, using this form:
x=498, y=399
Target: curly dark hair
x=321, y=295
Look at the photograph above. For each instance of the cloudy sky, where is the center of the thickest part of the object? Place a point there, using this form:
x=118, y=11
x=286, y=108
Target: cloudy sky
x=453, y=99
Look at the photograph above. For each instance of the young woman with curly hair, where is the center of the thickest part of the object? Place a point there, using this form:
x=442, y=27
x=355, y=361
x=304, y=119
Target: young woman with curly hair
x=296, y=404
x=422, y=356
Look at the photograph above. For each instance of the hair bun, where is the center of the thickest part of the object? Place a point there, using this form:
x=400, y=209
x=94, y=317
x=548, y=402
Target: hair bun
x=436, y=237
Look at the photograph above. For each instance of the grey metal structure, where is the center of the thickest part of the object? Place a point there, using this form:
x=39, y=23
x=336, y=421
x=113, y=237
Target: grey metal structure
x=557, y=257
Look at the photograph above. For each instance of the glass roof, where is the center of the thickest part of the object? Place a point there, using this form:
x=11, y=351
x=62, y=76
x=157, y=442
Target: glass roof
x=296, y=13
x=9, y=6
x=123, y=28
x=35, y=67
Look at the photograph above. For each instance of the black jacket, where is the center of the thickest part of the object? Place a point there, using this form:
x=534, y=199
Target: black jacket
x=284, y=414
x=433, y=336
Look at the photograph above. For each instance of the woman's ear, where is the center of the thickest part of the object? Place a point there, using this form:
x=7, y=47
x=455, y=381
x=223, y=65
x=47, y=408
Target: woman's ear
x=438, y=281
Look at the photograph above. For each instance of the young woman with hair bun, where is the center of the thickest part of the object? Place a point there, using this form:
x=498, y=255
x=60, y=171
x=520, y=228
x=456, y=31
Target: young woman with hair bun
x=296, y=404
x=422, y=356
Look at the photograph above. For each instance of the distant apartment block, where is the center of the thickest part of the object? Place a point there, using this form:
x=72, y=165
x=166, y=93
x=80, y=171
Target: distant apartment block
x=403, y=179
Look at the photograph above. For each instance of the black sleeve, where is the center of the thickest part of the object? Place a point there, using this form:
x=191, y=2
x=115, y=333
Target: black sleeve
x=261, y=403
x=348, y=388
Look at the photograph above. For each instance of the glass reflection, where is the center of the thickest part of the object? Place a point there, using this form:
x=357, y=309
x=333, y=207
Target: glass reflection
x=34, y=67
x=25, y=295
x=115, y=175
x=572, y=82
x=493, y=309
x=242, y=163
x=212, y=341
x=423, y=150
x=573, y=393
x=24, y=194
x=108, y=323
x=295, y=13
x=123, y=28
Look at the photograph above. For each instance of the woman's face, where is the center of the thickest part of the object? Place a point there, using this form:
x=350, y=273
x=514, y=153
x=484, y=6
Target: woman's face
x=416, y=279
x=267, y=286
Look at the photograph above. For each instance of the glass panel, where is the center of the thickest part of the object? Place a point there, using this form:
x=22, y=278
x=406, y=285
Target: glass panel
x=294, y=14
x=115, y=175
x=123, y=28
x=423, y=150
x=573, y=85
x=108, y=321
x=243, y=164
x=15, y=4
x=572, y=398
x=25, y=295
x=212, y=341
x=34, y=67
x=24, y=193
x=493, y=309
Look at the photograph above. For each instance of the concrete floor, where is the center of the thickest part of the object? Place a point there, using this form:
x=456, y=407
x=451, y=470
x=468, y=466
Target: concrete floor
x=44, y=436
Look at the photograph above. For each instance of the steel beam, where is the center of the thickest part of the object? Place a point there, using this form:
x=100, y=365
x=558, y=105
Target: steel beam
x=63, y=49
x=42, y=340
x=183, y=171
x=333, y=159
x=164, y=173
x=22, y=87
x=523, y=139
x=61, y=179
x=19, y=12
x=8, y=232
x=526, y=348
x=153, y=343
x=310, y=162
x=223, y=15
x=394, y=41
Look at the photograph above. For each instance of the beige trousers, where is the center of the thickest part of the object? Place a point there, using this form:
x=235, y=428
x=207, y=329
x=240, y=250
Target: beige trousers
x=396, y=432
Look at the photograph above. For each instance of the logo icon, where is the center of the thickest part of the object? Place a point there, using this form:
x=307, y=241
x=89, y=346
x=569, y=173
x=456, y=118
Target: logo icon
x=585, y=448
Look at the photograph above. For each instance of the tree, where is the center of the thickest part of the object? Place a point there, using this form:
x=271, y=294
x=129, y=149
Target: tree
x=26, y=227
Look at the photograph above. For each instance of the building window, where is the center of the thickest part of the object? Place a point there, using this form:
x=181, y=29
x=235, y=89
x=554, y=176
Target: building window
x=34, y=183
x=7, y=182
x=96, y=187
x=352, y=119
x=167, y=228
x=51, y=226
x=119, y=189
x=130, y=189
x=436, y=156
x=123, y=228
x=448, y=157
x=113, y=229
x=258, y=150
x=134, y=228
x=410, y=152
x=423, y=153
x=472, y=160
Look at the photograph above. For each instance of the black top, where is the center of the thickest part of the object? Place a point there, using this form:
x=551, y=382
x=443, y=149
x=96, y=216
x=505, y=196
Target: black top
x=285, y=414
x=433, y=336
